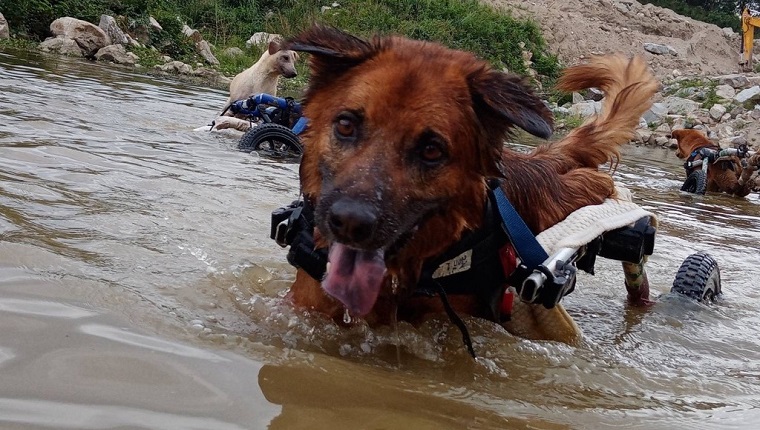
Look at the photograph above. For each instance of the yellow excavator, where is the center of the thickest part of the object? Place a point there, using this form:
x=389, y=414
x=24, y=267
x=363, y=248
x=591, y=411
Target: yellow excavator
x=749, y=23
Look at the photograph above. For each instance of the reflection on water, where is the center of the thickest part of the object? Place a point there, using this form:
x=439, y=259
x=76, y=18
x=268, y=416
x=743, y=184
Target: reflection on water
x=139, y=289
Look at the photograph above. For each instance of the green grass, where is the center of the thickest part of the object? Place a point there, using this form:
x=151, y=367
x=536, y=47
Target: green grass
x=18, y=43
x=460, y=24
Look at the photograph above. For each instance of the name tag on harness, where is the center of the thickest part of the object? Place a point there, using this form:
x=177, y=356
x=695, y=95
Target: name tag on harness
x=460, y=263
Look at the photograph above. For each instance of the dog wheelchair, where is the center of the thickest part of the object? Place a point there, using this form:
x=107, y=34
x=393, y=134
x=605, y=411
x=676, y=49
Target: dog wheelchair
x=276, y=123
x=522, y=284
x=699, y=161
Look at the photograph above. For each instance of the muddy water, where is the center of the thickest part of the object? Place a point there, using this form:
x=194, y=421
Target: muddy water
x=139, y=289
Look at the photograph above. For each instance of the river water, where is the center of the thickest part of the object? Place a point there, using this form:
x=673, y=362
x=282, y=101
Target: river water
x=139, y=289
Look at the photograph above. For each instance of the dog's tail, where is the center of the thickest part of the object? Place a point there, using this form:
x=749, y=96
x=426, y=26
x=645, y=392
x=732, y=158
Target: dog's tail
x=628, y=86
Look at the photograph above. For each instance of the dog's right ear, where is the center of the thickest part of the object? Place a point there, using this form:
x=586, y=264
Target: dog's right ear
x=511, y=101
x=333, y=52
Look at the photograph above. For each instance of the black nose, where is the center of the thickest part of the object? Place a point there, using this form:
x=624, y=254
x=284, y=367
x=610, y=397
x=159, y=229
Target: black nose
x=352, y=222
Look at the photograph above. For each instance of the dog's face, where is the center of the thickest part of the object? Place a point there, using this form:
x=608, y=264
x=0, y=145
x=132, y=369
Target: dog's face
x=402, y=137
x=688, y=141
x=285, y=59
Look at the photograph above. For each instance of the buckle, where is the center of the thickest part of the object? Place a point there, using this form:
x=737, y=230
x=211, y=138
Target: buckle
x=282, y=218
x=552, y=280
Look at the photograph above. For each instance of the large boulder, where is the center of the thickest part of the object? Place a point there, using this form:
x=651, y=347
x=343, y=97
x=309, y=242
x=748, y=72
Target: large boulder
x=89, y=37
x=111, y=28
x=5, y=32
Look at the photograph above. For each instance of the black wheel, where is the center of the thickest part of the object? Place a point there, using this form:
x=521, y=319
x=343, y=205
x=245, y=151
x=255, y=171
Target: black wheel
x=273, y=138
x=698, y=278
x=696, y=182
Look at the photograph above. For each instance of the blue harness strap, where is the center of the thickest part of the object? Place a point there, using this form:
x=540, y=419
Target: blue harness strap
x=531, y=253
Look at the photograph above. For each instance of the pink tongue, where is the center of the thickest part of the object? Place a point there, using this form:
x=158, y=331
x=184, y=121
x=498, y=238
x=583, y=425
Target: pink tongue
x=354, y=277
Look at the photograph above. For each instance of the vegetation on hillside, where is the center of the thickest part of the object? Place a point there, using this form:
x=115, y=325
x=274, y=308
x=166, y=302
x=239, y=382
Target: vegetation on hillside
x=723, y=13
x=462, y=24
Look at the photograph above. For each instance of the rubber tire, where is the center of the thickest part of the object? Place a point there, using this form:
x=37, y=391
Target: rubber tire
x=698, y=278
x=695, y=183
x=271, y=137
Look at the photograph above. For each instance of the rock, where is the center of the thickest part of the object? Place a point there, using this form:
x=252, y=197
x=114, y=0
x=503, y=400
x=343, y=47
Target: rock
x=738, y=140
x=175, y=67
x=644, y=135
x=737, y=110
x=657, y=49
x=728, y=32
x=155, y=24
x=578, y=98
x=89, y=37
x=656, y=113
x=261, y=39
x=586, y=109
x=663, y=129
x=676, y=73
x=661, y=141
x=717, y=112
x=133, y=42
x=204, y=50
x=724, y=131
x=593, y=94
x=5, y=32
x=192, y=34
x=753, y=80
x=680, y=105
x=111, y=28
x=736, y=80
x=117, y=54
x=752, y=93
x=725, y=92
x=233, y=51
x=61, y=45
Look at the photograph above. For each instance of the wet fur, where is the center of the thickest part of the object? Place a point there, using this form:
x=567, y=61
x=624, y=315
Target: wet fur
x=723, y=176
x=408, y=91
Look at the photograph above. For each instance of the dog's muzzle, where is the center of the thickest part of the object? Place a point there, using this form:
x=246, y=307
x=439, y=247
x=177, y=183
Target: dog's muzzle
x=352, y=222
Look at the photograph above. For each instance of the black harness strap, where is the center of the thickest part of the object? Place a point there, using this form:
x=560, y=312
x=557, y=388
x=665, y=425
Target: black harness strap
x=456, y=320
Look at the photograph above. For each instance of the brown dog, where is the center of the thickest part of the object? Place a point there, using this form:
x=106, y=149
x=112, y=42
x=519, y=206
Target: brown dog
x=722, y=176
x=404, y=137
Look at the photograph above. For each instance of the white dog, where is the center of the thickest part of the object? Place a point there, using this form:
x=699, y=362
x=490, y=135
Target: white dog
x=262, y=77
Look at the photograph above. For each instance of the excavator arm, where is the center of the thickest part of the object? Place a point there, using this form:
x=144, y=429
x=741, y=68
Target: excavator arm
x=749, y=23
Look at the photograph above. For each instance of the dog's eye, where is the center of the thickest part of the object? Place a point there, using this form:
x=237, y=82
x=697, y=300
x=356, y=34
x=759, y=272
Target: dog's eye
x=431, y=152
x=430, y=149
x=346, y=127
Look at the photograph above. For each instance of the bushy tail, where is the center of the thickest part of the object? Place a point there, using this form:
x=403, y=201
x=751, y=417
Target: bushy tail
x=628, y=86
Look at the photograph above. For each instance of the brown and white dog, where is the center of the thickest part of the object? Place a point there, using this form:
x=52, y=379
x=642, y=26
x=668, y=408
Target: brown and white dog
x=404, y=136
x=724, y=175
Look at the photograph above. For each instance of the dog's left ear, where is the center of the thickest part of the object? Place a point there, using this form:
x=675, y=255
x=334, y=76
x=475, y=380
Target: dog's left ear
x=333, y=52
x=508, y=99
x=274, y=47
